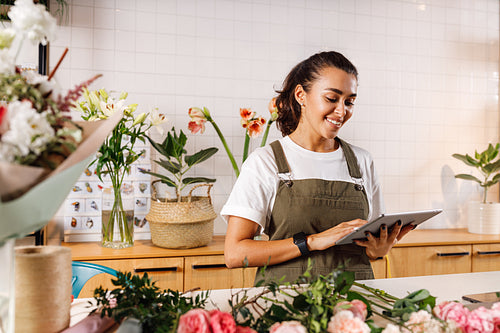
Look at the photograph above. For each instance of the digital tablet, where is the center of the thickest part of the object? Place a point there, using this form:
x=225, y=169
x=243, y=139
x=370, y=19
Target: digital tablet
x=389, y=220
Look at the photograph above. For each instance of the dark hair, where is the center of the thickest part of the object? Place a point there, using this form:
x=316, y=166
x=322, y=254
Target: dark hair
x=305, y=73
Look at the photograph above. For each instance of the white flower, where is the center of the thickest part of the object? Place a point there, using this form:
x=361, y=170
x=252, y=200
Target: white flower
x=391, y=328
x=156, y=119
x=28, y=132
x=7, y=63
x=6, y=38
x=110, y=107
x=33, y=20
x=44, y=85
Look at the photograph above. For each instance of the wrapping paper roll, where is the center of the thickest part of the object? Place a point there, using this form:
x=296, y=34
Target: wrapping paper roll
x=43, y=289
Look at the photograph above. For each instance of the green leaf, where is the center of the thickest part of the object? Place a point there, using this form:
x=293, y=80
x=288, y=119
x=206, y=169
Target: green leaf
x=170, y=166
x=344, y=282
x=200, y=156
x=467, y=160
x=193, y=180
x=492, y=167
x=468, y=177
x=159, y=148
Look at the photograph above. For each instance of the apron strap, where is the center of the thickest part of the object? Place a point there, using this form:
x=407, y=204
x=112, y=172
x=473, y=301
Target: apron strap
x=352, y=161
x=280, y=158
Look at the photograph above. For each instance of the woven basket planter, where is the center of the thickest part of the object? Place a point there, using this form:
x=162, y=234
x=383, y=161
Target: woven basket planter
x=182, y=225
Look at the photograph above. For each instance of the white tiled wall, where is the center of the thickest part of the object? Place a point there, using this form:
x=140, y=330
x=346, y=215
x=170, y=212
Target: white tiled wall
x=428, y=76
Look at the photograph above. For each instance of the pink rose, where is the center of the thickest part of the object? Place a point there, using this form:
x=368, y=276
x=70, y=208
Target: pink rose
x=345, y=321
x=418, y=321
x=480, y=321
x=357, y=307
x=288, y=327
x=222, y=322
x=244, y=329
x=194, y=321
x=452, y=311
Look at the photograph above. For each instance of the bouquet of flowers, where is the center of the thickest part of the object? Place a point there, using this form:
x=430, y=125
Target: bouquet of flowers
x=42, y=151
x=253, y=125
x=333, y=303
x=116, y=156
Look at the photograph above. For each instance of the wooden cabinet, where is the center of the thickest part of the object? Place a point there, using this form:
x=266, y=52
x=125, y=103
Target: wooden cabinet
x=210, y=272
x=421, y=252
x=182, y=269
x=485, y=257
x=430, y=260
x=444, y=251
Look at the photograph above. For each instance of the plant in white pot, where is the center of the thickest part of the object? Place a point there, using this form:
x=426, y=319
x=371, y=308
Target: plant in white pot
x=185, y=221
x=483, y=217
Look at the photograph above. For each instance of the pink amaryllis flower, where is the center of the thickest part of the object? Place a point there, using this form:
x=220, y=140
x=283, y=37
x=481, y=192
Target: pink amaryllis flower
x=198, y=120
x=255, y=127
x=246, y=114
x=244, y=329
x=194, y=321
x=273, y=109
x=222, y=322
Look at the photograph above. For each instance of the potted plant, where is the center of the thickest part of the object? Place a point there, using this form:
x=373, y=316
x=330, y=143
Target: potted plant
x=483, y=217
x=183, y=221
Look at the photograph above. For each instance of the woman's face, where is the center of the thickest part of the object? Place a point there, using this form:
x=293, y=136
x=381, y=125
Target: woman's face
x=328, y=105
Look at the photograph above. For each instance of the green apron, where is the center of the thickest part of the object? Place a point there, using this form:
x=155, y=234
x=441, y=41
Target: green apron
x=312, y=206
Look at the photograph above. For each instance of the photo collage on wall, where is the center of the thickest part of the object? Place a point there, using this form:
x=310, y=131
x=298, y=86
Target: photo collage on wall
x=83, y=206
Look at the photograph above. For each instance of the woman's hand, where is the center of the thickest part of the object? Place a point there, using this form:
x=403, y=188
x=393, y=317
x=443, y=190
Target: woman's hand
x=379, y=247
x=327, y=238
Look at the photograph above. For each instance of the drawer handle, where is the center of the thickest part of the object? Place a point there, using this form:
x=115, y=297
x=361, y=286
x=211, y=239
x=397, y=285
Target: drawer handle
x=453, y=254
x=485, y=253
x=156, y=269
x=209, y=266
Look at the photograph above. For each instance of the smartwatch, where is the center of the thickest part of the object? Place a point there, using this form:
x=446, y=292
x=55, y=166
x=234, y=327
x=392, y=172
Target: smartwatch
x=300, y=239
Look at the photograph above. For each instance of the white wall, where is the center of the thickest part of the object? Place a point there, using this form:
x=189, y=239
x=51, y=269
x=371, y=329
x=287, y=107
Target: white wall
x=428, y=76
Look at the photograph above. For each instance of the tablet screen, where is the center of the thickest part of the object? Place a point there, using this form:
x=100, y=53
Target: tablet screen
x=389, y=220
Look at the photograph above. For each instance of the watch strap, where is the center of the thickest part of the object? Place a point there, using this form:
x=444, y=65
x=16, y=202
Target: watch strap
x=300, y=239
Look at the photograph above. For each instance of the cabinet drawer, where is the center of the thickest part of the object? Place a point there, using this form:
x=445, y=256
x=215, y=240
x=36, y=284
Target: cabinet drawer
x=167, y=272
x=486, y=257
x=430, y=260
x=210, y=272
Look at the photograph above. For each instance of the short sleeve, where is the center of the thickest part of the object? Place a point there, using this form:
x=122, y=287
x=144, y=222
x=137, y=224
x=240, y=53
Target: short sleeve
x=253, y=193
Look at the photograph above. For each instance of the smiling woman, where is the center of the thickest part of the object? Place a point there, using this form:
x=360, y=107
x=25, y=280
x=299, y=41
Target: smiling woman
x=310, y=188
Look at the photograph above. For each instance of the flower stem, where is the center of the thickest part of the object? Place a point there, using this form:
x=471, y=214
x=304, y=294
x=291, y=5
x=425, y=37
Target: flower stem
x=266, y=133
x=245, y=147
x=228, y=151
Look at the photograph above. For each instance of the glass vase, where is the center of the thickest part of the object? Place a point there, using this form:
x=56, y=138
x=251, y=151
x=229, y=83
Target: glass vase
x=117, y=219
x=7, y=286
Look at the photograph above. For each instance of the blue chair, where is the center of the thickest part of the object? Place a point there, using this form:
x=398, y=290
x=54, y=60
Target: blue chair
x=83, y=271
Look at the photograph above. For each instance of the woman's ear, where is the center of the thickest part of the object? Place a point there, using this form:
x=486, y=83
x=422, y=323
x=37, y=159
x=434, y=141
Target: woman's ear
x=300, y=94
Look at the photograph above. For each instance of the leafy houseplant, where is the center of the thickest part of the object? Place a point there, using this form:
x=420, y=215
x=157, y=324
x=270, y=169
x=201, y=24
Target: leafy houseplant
x=178, y=163
x=483, y=217
x=185, y=221
x=486, y=164
x=115, y=158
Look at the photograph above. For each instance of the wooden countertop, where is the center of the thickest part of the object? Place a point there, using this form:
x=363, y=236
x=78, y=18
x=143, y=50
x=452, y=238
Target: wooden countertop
x=83, y=251
x=145, y=249
x=426, y=237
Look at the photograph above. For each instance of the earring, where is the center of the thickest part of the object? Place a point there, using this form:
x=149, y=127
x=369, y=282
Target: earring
x=303, y=105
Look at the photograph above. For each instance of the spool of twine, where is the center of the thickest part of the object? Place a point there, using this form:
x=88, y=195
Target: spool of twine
x=43, y=288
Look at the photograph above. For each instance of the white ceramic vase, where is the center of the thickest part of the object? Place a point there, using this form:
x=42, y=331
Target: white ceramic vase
x=484, y=218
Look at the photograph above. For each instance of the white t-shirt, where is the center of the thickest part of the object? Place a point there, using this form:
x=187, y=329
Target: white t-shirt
x=255, y=189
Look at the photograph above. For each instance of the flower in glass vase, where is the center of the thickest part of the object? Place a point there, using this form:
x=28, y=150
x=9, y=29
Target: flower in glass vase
x=253, y=125
x=115, y=157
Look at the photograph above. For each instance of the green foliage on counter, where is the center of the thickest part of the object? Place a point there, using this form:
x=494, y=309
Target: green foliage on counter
x=486, y=164
x=138, y=297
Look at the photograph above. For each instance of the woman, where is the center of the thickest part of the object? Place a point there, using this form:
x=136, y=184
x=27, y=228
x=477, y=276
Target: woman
x=310, y=188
